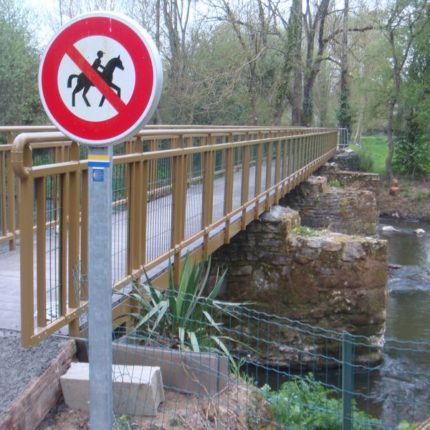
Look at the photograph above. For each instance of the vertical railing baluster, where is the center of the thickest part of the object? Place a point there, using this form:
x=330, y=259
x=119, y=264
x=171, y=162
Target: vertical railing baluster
x=269, y=161
x=290, y=164
x=207, y=200
x=134, y=187
x=26, y=253
x=246, y=157
x=296, y=159
x=4, y=225
x=144, y=169
x=41, y=251
x=141, y=195
x=228, y=188
x=284, y=166
x=153, y=166
x=74, y=275
x=277, y=171
x=302, y=156
x=179, y=195
x=63, y=267
x=84, y=235
x=258, y=172
x=12, y=192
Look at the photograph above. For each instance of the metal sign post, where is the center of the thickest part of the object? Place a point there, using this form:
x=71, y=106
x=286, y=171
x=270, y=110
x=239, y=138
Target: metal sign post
x=100, y=282
x=100, y=81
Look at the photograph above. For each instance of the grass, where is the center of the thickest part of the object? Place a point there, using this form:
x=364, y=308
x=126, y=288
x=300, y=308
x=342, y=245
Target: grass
x=305, y=231
x=376, y=147
x=421, y=196
x=334, y=183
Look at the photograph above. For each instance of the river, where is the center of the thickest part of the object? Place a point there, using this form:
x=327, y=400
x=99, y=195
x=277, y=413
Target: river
x=400, y=387
x=404, y=381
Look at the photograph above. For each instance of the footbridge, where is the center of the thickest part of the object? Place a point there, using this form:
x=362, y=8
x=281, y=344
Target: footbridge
x=176, y=191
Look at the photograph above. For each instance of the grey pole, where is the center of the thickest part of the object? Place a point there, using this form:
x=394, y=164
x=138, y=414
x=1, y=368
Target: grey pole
x=100, y=285
x=347, y=381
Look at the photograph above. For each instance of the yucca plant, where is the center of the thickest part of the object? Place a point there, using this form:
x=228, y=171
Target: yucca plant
x=182, y=316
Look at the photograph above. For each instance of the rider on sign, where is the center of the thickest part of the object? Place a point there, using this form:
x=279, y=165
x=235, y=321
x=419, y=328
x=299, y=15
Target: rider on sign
x=98, y=62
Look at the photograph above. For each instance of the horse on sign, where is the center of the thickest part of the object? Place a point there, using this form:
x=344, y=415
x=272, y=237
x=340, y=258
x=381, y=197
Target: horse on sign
x=85, y=84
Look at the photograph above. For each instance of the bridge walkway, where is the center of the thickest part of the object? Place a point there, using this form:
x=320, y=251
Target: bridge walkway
x=168, y=202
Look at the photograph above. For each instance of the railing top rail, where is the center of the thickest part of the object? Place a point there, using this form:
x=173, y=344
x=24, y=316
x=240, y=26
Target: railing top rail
x=26, y=139
x=162, y=129
x=50, y=136
x=209, y=147
x=25, y=128
x=49, y=127
x=152, y=132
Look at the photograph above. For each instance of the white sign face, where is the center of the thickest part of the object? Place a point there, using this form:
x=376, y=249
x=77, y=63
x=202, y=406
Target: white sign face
x=104, y=50
x=100, y=78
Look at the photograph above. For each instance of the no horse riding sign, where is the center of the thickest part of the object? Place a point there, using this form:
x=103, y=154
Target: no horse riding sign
x=100, y=78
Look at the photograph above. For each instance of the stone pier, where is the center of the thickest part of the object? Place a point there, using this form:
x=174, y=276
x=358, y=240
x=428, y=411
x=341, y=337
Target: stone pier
x=328, y=204
x=325, y=278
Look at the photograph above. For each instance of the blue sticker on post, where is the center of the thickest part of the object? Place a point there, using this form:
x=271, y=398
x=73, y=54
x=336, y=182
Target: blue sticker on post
x=98, y=174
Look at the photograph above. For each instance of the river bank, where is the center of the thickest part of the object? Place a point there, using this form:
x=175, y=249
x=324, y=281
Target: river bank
x=410, y=202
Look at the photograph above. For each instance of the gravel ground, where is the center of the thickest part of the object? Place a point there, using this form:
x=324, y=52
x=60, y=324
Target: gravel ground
x=18, y=366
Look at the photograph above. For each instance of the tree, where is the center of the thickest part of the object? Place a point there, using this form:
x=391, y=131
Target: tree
x=68, y=9
x=344, y=114
x=314, y=31
x=19, y=59
x=288, y=85
x=412, y=128
x=251, y=23
x=403, y=24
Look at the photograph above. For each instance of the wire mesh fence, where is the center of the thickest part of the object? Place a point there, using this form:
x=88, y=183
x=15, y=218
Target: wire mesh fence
x=343, y=138
x=229, y=366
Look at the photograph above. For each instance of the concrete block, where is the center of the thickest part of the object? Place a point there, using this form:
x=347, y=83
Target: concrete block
x=198, y=373
x=137, y=390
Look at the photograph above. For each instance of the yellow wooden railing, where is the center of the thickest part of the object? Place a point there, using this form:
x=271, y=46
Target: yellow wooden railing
x=176, y=191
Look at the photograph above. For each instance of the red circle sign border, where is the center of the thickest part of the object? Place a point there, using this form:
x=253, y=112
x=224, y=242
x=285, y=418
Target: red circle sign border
x=148, y=81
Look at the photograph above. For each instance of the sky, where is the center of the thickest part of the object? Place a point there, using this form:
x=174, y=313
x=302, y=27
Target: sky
x=44, y=11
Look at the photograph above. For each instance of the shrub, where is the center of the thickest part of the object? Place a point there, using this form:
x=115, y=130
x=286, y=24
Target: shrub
x=411, y=156
x=365, y=161
x=181, y=316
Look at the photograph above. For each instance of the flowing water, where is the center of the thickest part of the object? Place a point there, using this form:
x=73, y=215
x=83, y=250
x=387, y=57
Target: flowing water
x=408, y=313
x=406, y=369
x=400, y=388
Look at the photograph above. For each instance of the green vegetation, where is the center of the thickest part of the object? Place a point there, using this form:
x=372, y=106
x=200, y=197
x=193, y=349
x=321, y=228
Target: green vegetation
x=123, y=422
x=333, y=182
x=421, y=196
x=412, y=155
x=304, y=403
x=305, y=231
x=372, y=153
x=19, y=62
x=182, y=317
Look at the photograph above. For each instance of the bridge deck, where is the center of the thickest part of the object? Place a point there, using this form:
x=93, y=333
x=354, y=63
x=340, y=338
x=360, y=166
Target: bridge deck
x=193, y=197
x=159, y=216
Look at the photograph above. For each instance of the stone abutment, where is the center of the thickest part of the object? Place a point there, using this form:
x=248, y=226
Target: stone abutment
x=316, y=263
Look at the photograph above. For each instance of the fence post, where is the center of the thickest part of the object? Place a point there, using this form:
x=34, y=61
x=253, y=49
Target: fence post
x=347, y=381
